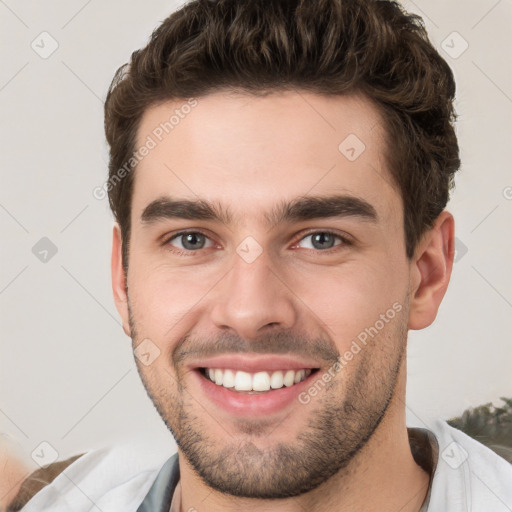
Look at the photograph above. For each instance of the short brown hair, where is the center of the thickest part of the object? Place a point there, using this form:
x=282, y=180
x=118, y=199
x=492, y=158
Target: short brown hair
x=329, y=47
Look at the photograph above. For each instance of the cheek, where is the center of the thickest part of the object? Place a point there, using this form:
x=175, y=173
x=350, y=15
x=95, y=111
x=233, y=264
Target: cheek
x=164, y=300
x=351, y=298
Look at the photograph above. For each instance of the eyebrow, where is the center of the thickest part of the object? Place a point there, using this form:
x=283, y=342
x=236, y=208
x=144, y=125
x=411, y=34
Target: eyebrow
x=300, y=209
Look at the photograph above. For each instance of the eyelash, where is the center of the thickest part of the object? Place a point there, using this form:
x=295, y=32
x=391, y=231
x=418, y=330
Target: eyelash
x=344, y=242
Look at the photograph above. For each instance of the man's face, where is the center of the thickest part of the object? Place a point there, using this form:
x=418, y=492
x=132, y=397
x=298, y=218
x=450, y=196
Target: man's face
x=272, y=289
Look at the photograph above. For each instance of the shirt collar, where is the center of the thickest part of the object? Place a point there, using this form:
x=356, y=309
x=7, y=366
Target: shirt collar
x=159, y=497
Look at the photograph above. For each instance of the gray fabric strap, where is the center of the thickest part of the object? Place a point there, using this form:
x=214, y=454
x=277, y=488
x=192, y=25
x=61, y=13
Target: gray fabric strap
x=159, y=497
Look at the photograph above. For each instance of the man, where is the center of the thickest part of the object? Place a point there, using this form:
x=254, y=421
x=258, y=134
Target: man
x=278, y=173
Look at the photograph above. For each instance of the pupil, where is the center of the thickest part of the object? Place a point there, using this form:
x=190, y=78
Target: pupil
x=322, y=238
x=192, y=239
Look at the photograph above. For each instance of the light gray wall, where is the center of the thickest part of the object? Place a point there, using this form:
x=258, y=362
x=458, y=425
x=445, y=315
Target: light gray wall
x=67, y=373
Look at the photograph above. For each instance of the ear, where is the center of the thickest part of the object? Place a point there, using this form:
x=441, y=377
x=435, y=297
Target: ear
x=431, y=268
x=119, y=280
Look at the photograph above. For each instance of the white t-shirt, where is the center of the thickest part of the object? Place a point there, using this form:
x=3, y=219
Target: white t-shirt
x=468, y=477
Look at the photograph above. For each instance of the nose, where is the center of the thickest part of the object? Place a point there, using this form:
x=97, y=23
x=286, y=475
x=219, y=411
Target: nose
x=253, y=297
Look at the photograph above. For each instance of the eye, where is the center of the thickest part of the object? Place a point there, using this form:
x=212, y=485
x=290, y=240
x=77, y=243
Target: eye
x=324, y=240
x=189, y=241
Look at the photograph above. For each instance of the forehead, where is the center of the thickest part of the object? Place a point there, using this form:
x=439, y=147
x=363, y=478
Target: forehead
x=250, y=153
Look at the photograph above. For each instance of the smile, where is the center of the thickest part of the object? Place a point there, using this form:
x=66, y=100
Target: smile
x=261, y=382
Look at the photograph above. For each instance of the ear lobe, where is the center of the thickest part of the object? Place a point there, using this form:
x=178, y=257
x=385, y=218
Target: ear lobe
x=119, y=280
x=431, y=269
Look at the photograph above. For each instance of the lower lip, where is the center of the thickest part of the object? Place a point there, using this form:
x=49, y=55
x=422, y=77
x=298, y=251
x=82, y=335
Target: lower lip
x=244, y=404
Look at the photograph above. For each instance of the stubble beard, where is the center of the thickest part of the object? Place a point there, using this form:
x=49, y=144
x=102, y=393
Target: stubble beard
x=340, y=422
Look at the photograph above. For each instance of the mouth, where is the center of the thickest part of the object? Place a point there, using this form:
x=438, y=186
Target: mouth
x=255, y=383
x=253, y=392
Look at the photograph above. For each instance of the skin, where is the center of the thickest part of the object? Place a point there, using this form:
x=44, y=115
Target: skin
x=15, y=467
x=250, y=154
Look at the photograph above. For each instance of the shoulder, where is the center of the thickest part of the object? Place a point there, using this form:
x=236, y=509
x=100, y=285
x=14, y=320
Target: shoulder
x=36, y=481
x=468, y=475
x=111, y=478
x=15, y=466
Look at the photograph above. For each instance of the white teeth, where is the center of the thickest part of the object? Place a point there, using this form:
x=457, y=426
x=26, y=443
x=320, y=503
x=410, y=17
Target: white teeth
x=229, y=379
x=298, y=376
x=289, y=378
x=260, y=381
x=243, y=381
x=276, y=380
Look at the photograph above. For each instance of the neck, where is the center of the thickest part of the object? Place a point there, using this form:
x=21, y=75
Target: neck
x=382, y=476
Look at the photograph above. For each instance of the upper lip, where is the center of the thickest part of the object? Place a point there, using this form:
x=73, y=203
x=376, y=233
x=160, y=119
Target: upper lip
x=255, y=364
